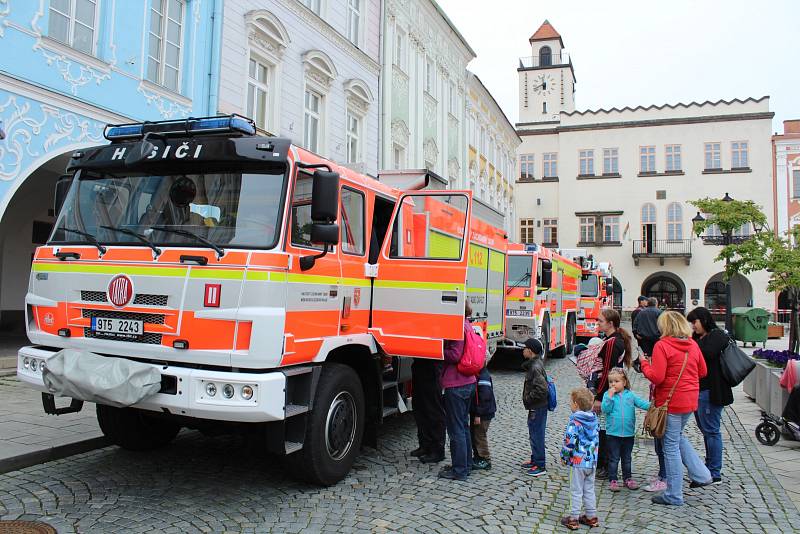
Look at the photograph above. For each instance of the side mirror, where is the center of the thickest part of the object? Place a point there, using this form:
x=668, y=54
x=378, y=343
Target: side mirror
x=325, y=233
x=325, y=196
x=609, y=286
x=546, y=275
x=63, y=184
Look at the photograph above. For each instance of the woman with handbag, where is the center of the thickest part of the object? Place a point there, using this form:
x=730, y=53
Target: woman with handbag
x=715, y=393
x=676, y=370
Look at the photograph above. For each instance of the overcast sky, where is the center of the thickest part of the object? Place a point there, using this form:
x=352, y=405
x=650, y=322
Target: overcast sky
x=639, y=52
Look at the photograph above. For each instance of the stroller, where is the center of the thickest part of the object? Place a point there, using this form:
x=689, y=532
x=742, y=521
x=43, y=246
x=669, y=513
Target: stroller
x=768, y=432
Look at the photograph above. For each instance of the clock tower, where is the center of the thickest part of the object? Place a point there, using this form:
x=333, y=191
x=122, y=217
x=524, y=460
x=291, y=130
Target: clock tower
x=546, y=78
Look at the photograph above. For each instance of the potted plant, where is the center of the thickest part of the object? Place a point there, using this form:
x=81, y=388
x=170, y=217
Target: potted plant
x=775, y=330
x=769, y=395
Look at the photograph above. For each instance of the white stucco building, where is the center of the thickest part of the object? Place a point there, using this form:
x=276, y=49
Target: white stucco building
x=786, y=147
x=618, y=182
x=307, y=70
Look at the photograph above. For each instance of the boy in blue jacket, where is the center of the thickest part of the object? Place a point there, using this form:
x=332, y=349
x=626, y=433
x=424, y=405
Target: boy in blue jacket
x=619, y=406
x=481, y=413
x=580, y=454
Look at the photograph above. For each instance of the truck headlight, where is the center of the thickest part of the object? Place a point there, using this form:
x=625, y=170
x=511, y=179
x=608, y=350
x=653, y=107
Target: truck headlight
x=228, y=391
x=26, y=363
x=33, y=366
x=247, y=392
x=211, y=389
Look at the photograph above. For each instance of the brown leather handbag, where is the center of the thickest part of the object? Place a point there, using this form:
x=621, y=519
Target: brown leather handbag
x=655, y=421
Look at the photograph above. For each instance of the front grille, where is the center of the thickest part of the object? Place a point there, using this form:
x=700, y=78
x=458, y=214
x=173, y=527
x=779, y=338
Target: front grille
x=142, y=299
x=148, y=338
x=149, y=318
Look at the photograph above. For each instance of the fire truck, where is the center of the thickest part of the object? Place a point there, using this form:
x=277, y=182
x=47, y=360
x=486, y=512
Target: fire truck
x=597, y=291
x=220, y=279
x=541, y=298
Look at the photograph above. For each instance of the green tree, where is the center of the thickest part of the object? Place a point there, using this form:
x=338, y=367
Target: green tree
x=763, y=251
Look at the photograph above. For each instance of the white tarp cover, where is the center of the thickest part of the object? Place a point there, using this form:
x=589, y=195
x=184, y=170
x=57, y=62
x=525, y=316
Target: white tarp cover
x=104, y=380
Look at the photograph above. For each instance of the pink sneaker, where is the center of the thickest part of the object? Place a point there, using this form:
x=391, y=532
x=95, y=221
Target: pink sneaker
x=656, y=485
x=631, y=484
x=614, y=486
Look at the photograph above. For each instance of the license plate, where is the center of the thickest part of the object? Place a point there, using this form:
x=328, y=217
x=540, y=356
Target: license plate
x=518, y=313
x=123, y=328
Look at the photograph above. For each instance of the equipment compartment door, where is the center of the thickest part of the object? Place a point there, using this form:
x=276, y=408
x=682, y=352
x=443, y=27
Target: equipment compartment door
x=420, y=290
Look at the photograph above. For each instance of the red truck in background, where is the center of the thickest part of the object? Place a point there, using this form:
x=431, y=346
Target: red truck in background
x=597, y=291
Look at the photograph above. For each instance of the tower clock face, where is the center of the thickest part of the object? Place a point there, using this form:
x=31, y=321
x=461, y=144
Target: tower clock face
x=544, y=84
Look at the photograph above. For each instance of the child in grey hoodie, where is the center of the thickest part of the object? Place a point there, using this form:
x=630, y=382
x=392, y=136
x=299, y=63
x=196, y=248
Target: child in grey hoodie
x=580, y=454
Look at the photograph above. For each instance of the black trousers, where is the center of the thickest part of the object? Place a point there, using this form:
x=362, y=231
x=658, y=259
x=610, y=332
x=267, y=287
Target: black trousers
x=428, y=405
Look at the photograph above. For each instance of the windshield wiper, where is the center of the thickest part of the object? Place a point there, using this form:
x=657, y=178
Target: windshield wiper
x=92, y=239
x=518, y=282
x=219, y=250
x=131, y=233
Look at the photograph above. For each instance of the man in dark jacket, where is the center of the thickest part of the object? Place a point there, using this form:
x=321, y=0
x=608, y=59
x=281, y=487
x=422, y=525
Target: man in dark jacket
x=534, y=397
x=646, y=326
x=428, y=410
x=642, y=302
x=481, y=413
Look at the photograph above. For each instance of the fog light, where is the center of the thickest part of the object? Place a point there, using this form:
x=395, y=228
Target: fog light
x=247, y=392
x=33, y=365
x=41, y=366
x=227, y=391
x=211, y=389
x=26, y=363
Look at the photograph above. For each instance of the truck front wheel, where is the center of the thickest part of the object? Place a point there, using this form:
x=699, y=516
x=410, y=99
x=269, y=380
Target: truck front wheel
x=135, y=430
x=335, y=427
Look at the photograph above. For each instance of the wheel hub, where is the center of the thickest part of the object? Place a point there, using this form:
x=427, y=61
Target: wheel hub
x=340, y=425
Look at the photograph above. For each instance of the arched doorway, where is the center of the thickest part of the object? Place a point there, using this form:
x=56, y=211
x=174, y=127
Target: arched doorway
x=668, y=289
x=617, y=294
x=716, y=299
x=25, y=224
x=545, y=56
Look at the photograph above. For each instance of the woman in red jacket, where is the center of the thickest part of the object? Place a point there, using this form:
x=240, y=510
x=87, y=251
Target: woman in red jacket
x=676, y=370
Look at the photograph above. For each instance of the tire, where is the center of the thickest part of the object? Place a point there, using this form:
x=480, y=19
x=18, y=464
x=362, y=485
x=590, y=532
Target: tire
x=334, y=429
x=569, y=344
x=768, y=433
x=135, y=430
x=546, y=339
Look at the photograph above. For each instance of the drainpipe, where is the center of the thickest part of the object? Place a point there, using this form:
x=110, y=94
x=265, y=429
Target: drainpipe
x=216, y=53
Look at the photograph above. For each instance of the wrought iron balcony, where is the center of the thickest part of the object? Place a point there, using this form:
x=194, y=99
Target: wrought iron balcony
x=544, y=60
x=720, y=239
x=662, y=249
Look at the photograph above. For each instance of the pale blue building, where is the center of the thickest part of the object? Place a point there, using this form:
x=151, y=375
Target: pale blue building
x=69, y=67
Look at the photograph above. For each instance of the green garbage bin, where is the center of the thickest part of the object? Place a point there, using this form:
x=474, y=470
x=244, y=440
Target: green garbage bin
x=750, y=325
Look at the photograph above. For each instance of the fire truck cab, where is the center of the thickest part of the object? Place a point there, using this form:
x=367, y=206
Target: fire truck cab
x=260, y=284
x=597, y=291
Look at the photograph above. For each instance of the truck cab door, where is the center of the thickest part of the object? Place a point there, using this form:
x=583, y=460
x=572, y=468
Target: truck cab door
x=419, y=290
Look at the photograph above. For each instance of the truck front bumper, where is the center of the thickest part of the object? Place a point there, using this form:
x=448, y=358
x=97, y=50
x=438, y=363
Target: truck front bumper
x=191, y=392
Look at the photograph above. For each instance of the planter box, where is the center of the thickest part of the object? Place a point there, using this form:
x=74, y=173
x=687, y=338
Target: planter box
x=765, y=382
x=775, y=331
x=749, y=383
x=778, y=396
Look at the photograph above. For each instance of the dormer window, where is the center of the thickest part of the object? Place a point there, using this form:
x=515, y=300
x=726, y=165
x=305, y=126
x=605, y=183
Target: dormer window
x=545, y=56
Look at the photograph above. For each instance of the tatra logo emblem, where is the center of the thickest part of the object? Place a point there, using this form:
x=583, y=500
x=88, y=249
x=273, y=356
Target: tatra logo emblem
x=357, y=296
x=120, y=290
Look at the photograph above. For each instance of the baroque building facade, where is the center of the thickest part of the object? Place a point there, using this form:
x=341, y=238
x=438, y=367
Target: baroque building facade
x=617, y=182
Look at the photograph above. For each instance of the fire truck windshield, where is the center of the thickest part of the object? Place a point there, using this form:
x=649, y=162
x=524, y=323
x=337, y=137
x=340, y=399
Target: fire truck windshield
x=589, y=286
x=519, y=270
x=226, y=209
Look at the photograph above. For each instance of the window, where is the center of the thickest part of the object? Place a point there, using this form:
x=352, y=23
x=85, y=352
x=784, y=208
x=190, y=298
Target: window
x=311, y=122
x=550, y=162
x=739, y=159
x=673, y=158
x=352, y=223
x=526, y=227
x=587, y=229
x=353, y=21
x=796, y=183
x=301, y=212
x=544, y=107
x=648, y=214
x=482, y=140
x=400, y=49
x=712, y=158
x=73, y=22
x=550, y=231
x=399, y=157
x=166, y=36
x=353, y=138
x=526, y=167
x=545, y=56
x=587, y=162
x=611, y=228
x=436, y=240
x=430, y=79
x=674, y=221
x=610, y=161
x=647, y=159
x=314, y=5
x=258, y=92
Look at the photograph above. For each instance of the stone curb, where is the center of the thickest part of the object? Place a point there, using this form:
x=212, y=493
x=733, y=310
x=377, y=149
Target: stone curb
x=53, y=453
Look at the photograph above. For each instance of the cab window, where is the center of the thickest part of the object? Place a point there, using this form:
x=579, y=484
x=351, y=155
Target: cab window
x=301, y=212
x=352, y=222
x=430, y=227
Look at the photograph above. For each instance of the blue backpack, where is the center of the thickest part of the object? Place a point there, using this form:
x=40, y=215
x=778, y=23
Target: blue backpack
x=552, y=397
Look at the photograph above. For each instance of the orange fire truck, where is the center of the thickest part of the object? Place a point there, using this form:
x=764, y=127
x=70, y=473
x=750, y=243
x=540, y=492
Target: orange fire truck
x=541, y=298
x=597, y=291
x=226, y=279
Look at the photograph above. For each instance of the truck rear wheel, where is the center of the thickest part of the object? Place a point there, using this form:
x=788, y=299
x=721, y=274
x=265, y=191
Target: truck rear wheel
x=135, y=430
x=546, y=338
x=335, y=427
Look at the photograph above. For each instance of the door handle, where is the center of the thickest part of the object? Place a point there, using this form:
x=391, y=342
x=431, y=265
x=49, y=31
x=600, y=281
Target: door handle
x=450, y=297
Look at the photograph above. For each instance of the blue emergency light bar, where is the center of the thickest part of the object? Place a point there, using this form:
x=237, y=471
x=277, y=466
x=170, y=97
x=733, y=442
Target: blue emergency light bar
x=233, y=124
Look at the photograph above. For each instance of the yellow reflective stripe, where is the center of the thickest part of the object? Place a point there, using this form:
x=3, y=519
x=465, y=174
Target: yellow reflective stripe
x=496, y=291
x=107, y=269
x=494, y=327
x=258, y=275
x=478, y=256
x=227, y=274
x=402, y=284
x=480, y=290
x=497, y=261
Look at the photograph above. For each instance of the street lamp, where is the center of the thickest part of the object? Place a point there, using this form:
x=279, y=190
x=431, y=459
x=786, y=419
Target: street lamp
x=726, y=240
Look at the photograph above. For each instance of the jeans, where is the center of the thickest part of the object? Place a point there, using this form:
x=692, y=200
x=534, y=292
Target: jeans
x=619, y=448
x=456, y=407
x=662, y=469
x=708, y=416
x=581, y=488
x=677, y=449
x=537, y=422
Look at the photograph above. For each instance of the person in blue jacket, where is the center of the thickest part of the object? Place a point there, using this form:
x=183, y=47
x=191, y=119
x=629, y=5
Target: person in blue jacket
x=619, y=406
x=579, y=452
x=481, y=413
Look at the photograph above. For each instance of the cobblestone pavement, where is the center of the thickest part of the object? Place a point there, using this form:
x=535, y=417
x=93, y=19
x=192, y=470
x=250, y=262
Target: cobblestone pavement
x=221, y=484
